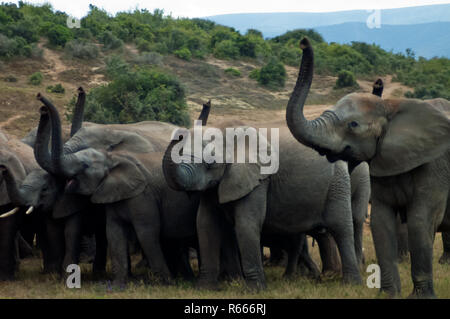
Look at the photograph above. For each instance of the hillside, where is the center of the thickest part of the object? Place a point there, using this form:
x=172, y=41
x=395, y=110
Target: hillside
x=203, y=79
x=401, y=28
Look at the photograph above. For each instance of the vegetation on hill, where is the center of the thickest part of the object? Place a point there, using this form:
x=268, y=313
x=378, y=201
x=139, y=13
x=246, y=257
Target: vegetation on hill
x=154, y=35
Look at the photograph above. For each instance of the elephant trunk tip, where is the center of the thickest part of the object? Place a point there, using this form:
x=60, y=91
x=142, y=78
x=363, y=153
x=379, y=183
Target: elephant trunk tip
x=304, y=43
x=80, y=90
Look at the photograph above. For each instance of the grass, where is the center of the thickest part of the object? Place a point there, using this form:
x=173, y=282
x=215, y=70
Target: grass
x=31, y=284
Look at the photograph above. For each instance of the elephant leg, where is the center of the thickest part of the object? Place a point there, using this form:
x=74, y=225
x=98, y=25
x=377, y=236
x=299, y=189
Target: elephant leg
x=230, y=260
x=402, y=240
x=101, y=245
x=294, y=245
x=307, y=267
x=383, y=227
x=445, y=258
x=209, y=237
x=277, y=256
x=116, y=234
x=72, y=235
x=421, y=230
x=331, y=262
x=53, y=245
x=25, y=250
x=339, y=221
x=249, y=215
x=146, y=224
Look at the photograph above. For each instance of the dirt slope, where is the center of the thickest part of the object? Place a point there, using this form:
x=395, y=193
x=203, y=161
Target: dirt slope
x=233, y=97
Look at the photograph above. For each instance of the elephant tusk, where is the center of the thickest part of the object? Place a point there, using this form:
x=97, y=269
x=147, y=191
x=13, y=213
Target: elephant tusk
x=11, y=212
x=30, y=210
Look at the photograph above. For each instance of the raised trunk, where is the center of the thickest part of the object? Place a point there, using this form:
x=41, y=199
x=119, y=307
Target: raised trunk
x=41, y=145
x=78, y=113
x=378, y=88
x=310, y=133
x=62, y=165
x=205, y=113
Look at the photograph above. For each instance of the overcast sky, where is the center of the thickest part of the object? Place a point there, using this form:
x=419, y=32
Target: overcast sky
x=202, y=8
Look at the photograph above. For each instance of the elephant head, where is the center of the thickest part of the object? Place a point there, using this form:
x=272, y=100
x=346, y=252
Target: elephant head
x=94, y=162
x=36, y=188
x=392, y=135
x=189, y=173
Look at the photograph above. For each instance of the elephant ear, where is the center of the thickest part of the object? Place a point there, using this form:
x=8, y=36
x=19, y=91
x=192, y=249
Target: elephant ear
x=239, y=180
x=416, y=134
x=124, y=180
x=4, y=198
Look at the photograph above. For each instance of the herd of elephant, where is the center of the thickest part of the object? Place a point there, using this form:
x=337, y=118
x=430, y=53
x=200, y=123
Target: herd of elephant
x=120, y=184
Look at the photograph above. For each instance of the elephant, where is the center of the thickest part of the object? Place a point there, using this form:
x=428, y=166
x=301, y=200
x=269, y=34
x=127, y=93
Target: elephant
x=305, y=194
x=406, y=143
x=121, y=170
x=37, y=189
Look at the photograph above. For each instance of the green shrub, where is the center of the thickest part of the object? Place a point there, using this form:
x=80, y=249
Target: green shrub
x=226, y=49
x=233, y=72
x=345, y=79
x=273, y=74
x=254, y=74
x=151, y=58
x=57, y=88
x=36, y=78
x=58, y=35
x=115, y=66
x=135, y=96
x=184, y=54
x=110, y=41
x=81, y=49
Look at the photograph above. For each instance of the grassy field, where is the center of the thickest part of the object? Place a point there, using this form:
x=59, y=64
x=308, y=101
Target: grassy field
x=32, y=284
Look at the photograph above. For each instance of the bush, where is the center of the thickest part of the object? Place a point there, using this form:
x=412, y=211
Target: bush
x=226, y=49
x=135, y=96
x=233, y=72
x=345, y=79
x=58, y=35
x=152, y=58
x=115, y=66
x=254, y=74
x=36, y=78
x=16, y=46
x=273, y=74
x=110, y=41
x=57, y=88
x=184, y=54
x=81, y=49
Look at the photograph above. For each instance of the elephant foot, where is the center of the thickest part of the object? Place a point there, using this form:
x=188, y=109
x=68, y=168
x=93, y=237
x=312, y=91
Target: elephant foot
x=422, y=293
x=445, y=259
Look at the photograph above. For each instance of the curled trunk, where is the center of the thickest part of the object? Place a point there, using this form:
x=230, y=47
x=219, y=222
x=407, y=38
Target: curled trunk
x=41, y=145
x=63, y=165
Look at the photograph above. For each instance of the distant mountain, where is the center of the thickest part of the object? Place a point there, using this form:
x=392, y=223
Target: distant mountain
x=427, y=39
x=425, y=29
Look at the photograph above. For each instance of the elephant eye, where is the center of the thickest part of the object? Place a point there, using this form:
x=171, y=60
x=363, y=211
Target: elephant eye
x=85, y=165
x=353, y=124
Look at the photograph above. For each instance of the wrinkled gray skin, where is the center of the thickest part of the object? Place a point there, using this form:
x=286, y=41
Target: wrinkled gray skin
x=42, y=190
x=306, y=193
x=121, y=170
x=407, y=145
